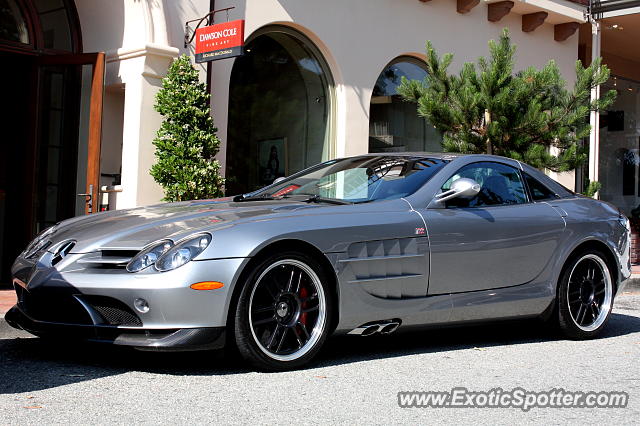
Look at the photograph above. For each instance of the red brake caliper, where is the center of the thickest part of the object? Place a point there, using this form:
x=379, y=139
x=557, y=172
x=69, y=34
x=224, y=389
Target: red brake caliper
x=302, y=294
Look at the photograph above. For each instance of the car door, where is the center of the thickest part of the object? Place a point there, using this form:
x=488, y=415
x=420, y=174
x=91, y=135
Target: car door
x=496, y=239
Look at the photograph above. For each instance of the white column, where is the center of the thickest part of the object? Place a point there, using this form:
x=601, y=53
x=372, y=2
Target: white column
x=220, y=78
x=141, y=71
x=594, y=120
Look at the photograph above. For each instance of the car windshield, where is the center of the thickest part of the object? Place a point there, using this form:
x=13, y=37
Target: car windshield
x=358, y=179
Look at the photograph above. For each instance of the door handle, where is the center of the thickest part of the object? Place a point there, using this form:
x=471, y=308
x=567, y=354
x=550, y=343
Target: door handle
x=89, y=199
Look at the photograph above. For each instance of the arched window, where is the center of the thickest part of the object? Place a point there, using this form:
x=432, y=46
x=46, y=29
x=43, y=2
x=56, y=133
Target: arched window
x=279, y=109
x=394, y=124
x=55, y=26
x=37, y=26
x=13, y=26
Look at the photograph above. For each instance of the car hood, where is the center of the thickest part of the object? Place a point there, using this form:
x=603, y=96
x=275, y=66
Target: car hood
x=135, y=228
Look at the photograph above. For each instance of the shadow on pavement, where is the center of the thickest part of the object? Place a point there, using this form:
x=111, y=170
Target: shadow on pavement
x=345, y=349
x=31, y=364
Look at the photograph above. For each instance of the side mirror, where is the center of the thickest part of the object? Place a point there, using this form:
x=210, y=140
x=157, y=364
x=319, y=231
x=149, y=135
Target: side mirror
x=462, y=188
x=278, y=180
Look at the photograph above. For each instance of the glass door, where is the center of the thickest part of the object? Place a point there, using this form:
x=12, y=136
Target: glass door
x=70, y=126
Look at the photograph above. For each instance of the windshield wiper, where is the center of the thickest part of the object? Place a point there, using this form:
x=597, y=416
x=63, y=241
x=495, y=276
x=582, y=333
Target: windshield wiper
x=309, y=199
x=263, y=197
x=319, y=199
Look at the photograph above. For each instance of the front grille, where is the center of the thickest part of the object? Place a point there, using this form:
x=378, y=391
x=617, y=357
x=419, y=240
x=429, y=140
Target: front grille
x=52, y=306
x=113, y=311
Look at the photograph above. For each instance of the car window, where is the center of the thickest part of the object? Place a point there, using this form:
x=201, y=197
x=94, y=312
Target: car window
x=537, y=190
x=499, y=185
x=361, y=179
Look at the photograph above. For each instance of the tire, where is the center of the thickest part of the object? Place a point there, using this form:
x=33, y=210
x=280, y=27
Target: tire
x=283, y=313
x=585, y=295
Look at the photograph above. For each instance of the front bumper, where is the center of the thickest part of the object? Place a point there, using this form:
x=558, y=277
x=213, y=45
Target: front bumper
x=73, y=294
x=102, y=304
x=182, y=339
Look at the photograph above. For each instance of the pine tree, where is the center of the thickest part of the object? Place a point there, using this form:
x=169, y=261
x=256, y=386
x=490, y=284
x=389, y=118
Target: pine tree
x=186, y=143
x=487, y=108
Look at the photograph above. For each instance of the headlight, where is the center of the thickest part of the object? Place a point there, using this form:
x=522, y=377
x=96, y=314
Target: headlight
x=39, y=242
x=148, y=256
x=183, y=252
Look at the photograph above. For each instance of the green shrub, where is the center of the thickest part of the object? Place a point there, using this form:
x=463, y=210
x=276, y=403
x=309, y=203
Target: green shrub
x=186, y=143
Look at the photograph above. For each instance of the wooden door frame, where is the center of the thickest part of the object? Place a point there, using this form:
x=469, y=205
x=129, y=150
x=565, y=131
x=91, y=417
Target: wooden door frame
x=97, y=61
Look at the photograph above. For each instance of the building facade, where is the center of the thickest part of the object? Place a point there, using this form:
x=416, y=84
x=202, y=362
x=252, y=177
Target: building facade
x=317, y=81
x=344, y=61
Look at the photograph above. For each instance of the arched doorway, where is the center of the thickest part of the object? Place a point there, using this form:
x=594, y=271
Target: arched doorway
x=51, y=113
x=280, y=105
x=394, y=124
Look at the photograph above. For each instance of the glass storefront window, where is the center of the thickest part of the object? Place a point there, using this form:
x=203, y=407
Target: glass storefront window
x=279, y=110
x=394, y=124
x=619, y=165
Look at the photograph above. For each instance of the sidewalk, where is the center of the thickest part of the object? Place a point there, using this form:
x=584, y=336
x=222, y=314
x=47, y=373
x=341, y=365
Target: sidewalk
x=7, y=300
x=633, y=283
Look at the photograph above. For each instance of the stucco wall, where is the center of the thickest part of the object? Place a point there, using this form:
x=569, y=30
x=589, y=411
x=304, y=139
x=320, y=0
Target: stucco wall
x=115, y=24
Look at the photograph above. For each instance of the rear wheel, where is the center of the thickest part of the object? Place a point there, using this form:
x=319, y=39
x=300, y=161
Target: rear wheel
x=282, y=316
x=585, y=295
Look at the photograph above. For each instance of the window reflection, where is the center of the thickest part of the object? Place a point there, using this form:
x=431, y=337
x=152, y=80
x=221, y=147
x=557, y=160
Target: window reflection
x=279, y=111
x=619, y=168
x=499, y=185
x=54, y=20
x=394, y=124
x=12, y=24
x=361, y=179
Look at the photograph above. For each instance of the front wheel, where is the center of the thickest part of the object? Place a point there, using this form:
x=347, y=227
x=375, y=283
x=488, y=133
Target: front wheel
x=585, y=296
x=282, y=315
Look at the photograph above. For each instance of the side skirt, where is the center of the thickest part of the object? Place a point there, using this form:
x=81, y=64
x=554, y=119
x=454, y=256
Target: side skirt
x=523, y=301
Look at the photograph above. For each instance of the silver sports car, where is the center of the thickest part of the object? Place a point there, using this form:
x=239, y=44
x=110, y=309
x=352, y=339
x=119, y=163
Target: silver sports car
x=362, y=245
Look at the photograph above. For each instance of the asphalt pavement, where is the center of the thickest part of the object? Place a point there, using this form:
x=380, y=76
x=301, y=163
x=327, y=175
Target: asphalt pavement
x=356, y=380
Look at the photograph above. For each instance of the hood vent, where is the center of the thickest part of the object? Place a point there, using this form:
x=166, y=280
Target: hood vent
x=108, y=259
x=62, y=252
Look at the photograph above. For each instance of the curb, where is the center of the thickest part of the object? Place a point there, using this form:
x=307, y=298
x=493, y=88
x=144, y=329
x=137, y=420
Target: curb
x=632, y=283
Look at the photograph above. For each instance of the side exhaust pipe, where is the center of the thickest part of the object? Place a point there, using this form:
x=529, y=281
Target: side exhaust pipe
x=381, y=327
x=389, y=328
x=367, y=330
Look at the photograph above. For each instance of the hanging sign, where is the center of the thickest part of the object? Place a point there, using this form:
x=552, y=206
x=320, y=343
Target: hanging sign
x=220, y=41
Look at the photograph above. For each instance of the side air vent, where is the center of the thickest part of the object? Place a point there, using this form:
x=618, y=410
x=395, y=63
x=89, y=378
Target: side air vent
x=113, y=311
